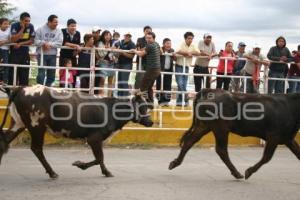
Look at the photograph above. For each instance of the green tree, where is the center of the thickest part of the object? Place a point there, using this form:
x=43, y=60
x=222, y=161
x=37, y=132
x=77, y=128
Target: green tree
x=6, y=9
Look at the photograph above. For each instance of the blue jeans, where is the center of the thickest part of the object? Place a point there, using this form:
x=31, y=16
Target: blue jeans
x=49, y=60
x=4, y=70
x=251, y=88
x=181, y=81
x=123, y=78
x=294, y=87
x=276, y=84
x=106, y=73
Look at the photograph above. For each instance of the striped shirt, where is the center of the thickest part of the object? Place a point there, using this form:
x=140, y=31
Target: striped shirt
x=153, y=55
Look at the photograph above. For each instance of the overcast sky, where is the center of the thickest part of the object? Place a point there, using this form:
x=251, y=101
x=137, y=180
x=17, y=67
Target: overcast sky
x=249, y=20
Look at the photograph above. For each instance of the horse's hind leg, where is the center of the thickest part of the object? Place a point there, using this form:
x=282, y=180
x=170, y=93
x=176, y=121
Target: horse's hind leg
x=192, y=136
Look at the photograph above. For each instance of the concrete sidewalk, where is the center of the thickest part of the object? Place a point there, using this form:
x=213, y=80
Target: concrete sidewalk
x=143, y=175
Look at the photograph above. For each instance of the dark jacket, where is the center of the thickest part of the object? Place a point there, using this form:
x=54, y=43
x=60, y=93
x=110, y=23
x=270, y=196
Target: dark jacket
x=163, y=59
x=274, y=55
x=140, y=44
x=69, y=53
x=126, y=46
x=84, y=61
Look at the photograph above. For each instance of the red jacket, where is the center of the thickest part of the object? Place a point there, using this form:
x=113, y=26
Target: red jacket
x=62, y=76
x=230, y=63
x=294, y=69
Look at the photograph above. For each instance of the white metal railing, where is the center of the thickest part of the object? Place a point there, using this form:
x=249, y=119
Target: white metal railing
x=92, y=69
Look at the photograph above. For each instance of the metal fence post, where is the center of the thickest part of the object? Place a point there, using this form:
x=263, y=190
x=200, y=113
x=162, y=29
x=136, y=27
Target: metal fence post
x=140, y=64
x=92, y=71
x=266, y=80
x=184, y=72
x=42, y=57
x=15, y=76
x=66, y=78
x=226, y=66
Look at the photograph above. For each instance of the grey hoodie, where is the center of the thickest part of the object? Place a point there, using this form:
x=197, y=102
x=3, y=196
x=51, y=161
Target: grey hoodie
x=46, y=35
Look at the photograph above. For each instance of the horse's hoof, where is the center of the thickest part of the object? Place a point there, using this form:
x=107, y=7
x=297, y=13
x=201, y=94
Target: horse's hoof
x=238, y=175
x=80, y=165
x=173, y=164
x=53, y=176
x=248, y=173
x=107, y=174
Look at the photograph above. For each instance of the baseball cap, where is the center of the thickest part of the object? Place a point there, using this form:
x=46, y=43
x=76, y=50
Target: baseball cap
x=128, y=34
x=256, y=46
x=207, y=35
x=242, y=44
x=96, y=28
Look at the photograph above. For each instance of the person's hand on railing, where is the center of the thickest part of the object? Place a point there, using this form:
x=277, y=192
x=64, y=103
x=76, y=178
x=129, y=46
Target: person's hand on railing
x=266, y=63
x=77, y=51
x=78, y=48
x=174, y=55
x=3, y=42
x=137, y=52
x=209, y=57
x=283, y=59
x=17, y=46
x=46, y=46
x=221, y=53
x=256, y=62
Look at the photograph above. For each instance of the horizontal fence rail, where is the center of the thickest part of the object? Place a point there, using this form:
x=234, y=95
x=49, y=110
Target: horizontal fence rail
x=93, y=69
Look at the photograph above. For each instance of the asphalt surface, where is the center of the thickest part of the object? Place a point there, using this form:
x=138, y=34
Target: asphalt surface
x=143, y=174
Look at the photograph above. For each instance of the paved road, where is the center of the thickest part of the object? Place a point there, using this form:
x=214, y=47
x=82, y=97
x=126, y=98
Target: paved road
x=143, y=175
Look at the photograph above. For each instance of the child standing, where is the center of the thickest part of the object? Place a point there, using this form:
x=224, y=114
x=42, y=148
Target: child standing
x=116, y=39
x=66, y=77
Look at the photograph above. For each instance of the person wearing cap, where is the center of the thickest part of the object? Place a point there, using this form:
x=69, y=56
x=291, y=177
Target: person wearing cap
x=125, y=62
x=294, y=73
x=207, y=48
x=252, y=68
x=239, y=65
x=140, y=45
x=72, y=39
x=278, y=69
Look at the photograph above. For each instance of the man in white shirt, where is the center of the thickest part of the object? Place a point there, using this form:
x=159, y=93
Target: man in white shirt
x=187, y=50
x=207, y=48
x=252, y=68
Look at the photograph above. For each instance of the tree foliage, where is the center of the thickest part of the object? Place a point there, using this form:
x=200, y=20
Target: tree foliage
x=6, y=9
